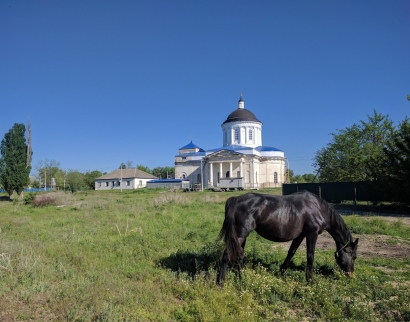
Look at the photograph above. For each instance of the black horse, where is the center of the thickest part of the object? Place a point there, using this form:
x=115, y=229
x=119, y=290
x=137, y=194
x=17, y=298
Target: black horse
x=280, y=219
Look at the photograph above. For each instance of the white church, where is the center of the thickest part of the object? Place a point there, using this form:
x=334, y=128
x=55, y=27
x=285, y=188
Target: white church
x=241, y=157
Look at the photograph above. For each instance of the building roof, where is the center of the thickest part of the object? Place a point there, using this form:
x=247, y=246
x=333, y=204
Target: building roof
x=127, y=173
x=241, y=114
x=167, y=180
x=262, y=151
x=267, y=148
x=191, y=146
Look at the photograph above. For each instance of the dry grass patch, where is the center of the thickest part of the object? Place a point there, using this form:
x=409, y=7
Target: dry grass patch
x=53, y=198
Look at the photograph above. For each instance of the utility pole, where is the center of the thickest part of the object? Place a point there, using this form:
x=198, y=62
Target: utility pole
x=202, y=178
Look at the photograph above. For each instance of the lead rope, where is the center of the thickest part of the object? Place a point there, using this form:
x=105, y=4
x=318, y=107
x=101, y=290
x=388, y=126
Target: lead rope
x=337, y=252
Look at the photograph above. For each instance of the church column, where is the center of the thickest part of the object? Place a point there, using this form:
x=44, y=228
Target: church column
x=220, y=171
x=211, y=174
x=230, y=170
x=241, y=168
x=252, y=174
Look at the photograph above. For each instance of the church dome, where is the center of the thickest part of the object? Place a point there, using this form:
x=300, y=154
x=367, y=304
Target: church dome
x=241, y=115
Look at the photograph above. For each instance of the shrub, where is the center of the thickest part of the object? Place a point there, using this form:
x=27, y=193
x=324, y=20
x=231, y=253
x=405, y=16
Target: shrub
x=43, y=200
x=29, y=197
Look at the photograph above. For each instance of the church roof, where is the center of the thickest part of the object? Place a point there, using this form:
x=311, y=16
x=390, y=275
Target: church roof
x=191, y=146
x=267, y=148
x=241, y=114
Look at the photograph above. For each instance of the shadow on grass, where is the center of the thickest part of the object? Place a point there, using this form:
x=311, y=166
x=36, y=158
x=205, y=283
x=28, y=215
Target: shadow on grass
x=4, y=198
x=192, y=263
x=208, y=258
x=274, y=267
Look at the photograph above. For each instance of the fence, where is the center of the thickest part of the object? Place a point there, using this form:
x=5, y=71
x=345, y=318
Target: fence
x=337, y=191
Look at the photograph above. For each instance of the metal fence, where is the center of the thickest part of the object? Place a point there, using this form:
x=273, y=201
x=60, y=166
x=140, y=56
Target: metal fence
x=337, y=191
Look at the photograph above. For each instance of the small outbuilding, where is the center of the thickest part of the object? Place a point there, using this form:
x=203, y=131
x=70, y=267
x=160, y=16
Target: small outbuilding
x=132, y=178
x=169, y=184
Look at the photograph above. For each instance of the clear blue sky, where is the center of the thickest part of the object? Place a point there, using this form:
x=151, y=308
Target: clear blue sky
x=104, y=82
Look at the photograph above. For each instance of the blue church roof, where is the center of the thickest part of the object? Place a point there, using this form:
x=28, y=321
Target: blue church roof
x=267, y=148
x=242, y=147
x=191, y=146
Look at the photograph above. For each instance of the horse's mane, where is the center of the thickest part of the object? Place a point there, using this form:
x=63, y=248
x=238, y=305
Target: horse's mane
x=335, y=218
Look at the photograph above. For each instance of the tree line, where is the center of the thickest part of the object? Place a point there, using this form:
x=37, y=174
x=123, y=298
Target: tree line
x=160, y=172
x=372, y=150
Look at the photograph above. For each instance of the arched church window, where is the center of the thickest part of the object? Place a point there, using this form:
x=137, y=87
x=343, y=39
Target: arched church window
x=218, y=177
x=250, y=135
x=238, y=174
x=184, y=176
x=237, y=135
x=227, y=174
x=275, y=177
x=198, y=178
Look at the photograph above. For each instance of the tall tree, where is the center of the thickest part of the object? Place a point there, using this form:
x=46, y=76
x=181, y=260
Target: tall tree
x=75, y=180
x=164, y=172
x=89, y=178
x=143, y=168
x=15, y=160
x=355, y=153
x=47, y=169
x=397, y=164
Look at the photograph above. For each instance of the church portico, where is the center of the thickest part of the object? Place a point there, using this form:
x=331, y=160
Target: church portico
x=242, y=156
x=224, y=169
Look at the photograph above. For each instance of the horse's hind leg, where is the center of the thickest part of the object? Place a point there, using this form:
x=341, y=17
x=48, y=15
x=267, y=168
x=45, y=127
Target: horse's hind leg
x=292, y=250
x=222, y=268
x=225, y=262
x=242, y=254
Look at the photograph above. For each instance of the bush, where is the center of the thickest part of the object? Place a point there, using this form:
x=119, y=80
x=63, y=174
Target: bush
x=29, y=197
x=43, y=200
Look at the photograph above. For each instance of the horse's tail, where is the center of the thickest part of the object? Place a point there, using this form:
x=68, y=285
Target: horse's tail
x=228, y=231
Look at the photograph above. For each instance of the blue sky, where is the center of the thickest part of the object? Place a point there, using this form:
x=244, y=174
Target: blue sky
x=104, y=82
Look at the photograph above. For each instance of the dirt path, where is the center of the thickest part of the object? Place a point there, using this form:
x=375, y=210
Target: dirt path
x=369, y=245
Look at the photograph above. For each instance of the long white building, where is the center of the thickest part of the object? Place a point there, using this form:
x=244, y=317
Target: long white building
x=242, y=155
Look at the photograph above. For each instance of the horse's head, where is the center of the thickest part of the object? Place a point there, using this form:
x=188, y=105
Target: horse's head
x=346, y=255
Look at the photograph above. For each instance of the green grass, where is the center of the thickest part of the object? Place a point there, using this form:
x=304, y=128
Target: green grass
x=151, y=255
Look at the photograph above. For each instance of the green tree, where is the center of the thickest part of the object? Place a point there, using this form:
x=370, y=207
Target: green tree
x=47, y=169
x=309, y=177
x=144, y=168
x=355, y=153
x=75, y=180
x=89, y=178
x=164, y=172
x=15, y=161
x=396, y=181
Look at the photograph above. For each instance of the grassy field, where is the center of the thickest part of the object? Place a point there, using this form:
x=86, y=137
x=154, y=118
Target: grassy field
x=151, y=255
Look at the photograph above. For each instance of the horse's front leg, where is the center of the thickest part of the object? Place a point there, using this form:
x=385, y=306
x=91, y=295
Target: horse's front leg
x=310, y=254
x=291, y=252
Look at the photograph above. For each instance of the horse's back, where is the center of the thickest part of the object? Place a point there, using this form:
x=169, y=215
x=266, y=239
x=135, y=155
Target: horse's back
x=280, y=218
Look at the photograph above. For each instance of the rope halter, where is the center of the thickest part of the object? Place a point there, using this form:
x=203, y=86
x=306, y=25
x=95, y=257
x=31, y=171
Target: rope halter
x=337, y=252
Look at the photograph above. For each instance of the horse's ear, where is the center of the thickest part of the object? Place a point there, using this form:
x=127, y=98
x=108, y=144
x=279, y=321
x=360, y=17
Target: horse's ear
x=355, y=242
